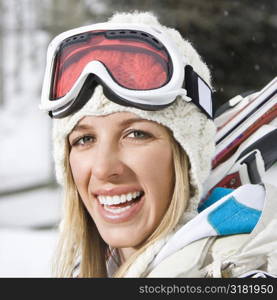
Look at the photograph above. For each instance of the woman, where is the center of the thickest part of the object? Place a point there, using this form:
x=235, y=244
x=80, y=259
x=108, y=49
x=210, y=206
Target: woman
x=133, y=142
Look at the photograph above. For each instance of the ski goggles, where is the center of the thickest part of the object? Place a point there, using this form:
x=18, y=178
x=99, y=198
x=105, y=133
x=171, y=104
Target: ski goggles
x=138, y=66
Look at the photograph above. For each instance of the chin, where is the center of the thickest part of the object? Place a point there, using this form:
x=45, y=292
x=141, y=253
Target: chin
x=122, y=240
x=123, y=243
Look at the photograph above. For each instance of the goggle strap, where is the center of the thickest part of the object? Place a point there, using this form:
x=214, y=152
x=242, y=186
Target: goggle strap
x=199, y=91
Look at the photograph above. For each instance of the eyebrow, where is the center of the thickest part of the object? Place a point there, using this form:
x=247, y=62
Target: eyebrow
x=132, y=120
x=123, y=123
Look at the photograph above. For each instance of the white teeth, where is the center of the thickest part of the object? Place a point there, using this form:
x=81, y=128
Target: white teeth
x=136, y=194
x=117, y=199
x=113, y=200
x=123, y=198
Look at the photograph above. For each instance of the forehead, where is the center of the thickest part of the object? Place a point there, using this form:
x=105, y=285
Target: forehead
x=118, y=119
x=113, y=117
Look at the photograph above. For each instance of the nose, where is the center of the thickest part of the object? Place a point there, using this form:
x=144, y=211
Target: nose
x=106, y=162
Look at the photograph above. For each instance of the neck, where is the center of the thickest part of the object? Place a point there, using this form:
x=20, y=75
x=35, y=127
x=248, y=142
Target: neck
x=125, y=253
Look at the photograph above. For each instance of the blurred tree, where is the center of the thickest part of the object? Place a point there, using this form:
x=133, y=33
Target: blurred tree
x=65, y=14
x=18, y=32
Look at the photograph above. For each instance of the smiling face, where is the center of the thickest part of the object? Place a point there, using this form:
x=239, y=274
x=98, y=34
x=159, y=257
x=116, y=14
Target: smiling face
x=122, y=166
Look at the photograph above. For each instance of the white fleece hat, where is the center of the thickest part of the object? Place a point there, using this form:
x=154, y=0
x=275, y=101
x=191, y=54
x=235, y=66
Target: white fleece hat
x=190, y=127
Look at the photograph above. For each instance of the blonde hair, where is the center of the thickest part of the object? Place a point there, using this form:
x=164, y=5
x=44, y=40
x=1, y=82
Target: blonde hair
x=80, y=241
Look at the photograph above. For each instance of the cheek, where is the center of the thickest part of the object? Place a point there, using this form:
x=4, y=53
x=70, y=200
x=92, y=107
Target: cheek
x=80, y=171
x=155, y=172
x=154, y=168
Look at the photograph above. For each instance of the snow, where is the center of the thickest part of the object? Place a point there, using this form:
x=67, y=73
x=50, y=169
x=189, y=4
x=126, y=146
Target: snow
x=28, y=221
x=24, y=130
x=26, y=253
x=25, y=148
x=26, y=249
x=38, y=208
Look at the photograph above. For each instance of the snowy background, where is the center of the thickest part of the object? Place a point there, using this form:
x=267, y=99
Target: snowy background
x=30, y=201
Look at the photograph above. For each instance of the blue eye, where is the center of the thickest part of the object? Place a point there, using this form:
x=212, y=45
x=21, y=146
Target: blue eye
x=83, y=140
x=139, y=134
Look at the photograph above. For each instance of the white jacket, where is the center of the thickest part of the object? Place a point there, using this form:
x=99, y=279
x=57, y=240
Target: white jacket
x=238, y=255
